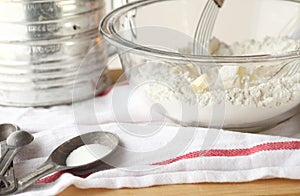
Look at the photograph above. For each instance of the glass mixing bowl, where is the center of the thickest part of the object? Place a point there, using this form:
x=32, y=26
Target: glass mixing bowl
x=238, y=86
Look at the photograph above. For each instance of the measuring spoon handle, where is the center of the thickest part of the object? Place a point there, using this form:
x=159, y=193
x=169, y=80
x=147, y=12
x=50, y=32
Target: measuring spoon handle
x=7, y=160
x=46, y=168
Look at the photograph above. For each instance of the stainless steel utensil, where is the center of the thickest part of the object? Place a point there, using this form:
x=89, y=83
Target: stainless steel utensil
x=14, y=142
x=205, y=26
x=6, y=130
x=8, y=182
x=288, y=69
x=57, y=159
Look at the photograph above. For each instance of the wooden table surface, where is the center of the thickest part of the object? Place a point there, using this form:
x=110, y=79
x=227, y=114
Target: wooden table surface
x=260, y=187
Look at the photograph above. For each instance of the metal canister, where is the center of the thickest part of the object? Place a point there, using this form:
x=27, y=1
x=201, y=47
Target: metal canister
x=49, y=50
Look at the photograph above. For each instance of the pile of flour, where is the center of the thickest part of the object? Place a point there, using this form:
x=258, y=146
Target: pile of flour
x=245, y=95
x=269, y=45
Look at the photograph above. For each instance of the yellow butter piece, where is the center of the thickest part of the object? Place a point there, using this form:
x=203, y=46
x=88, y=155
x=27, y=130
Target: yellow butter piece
x=177, y=69
x=214, y=45
x=192, y=68
x=201, y=83
x=232, y=76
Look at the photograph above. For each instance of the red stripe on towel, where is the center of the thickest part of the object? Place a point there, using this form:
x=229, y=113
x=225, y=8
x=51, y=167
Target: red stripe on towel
x=55, y=176
x=50, y=178
x=272, y=146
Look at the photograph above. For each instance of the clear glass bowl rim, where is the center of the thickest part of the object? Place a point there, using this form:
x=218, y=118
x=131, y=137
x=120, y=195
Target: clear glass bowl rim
x=109, y=32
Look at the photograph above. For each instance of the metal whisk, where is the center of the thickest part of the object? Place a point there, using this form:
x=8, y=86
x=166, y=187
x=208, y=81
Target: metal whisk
x=205, y=26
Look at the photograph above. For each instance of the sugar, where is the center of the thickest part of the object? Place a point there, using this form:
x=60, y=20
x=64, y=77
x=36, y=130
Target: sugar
x=87, y=154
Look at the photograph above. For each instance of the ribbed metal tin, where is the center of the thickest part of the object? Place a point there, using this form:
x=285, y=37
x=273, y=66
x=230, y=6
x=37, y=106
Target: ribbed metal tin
x=51, y=52
x=24, y=11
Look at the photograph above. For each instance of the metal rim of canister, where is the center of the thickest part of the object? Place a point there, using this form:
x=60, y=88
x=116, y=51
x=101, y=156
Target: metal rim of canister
x=38, y=11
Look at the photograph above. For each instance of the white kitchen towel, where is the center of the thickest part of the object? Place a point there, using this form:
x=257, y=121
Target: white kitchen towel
x=152, y=151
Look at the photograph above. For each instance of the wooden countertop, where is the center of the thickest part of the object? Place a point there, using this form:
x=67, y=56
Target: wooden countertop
x=260, y=187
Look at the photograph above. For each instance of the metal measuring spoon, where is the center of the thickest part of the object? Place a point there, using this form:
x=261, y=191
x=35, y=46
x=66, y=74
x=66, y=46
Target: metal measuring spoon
x=8, y=181
x=57, y=159
x=6, y=130
x=14, y=142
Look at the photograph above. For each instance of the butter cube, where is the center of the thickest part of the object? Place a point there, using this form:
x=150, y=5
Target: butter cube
x=192, y=68
x=214, y=45
x=231, y=76
x=201, y=83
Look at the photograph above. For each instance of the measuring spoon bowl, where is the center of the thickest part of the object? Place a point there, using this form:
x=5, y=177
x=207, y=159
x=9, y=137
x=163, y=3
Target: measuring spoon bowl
x=15, y=141
x=6, y=130
x=57, y=160
x=18, y=139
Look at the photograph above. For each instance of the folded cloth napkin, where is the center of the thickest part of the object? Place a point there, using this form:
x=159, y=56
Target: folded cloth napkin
x=153, y=150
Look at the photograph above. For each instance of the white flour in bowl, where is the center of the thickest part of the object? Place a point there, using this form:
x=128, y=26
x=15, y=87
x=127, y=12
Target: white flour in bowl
x=251, y=94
